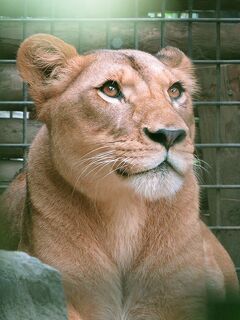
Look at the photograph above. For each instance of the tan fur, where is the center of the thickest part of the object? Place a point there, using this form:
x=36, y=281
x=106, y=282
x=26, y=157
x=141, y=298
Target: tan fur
x=129, y=248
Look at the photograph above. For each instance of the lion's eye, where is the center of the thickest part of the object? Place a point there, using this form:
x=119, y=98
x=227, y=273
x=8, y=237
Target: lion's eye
x=176, y=90
x=111, y=89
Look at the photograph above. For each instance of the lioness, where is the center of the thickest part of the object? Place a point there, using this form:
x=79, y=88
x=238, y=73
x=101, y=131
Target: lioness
x=109, y=196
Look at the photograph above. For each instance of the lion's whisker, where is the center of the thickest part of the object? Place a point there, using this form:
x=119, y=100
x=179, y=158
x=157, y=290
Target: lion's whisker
x=93, y=159
x=100, y=165
x=97, y=161
x=118, y=167
x=100, y=155
x=92, y=163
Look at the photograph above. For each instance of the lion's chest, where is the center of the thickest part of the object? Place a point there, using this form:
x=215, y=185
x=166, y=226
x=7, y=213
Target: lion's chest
x=123, y=234
x=136, y=295
x=117, y=285
x=103, y=276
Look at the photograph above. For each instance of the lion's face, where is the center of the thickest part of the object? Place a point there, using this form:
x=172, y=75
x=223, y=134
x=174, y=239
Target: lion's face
x=118, y=120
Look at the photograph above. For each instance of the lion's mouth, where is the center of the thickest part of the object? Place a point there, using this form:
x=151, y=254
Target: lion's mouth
x=163, y=167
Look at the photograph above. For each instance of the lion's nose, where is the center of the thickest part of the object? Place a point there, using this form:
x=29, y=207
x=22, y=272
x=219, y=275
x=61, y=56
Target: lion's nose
x=166, y=137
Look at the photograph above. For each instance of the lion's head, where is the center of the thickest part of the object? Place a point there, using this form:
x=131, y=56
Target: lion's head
x=117, y=120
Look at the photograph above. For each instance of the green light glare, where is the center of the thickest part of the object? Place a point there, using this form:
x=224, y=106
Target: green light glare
x=72, y=8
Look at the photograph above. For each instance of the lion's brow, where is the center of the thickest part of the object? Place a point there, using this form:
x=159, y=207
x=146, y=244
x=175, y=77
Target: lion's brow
x=134, y=64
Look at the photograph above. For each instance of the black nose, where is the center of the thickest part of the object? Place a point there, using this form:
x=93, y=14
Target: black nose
x=166, y=137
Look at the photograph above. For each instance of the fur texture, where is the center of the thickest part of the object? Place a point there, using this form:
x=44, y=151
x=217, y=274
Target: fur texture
x=122, y=227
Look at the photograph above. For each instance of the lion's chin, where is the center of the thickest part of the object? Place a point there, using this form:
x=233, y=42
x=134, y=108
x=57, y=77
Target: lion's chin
x=155, y=185
x=162, y=181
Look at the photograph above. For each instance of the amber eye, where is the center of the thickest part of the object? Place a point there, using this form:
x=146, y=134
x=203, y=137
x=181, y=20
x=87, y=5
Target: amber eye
x=111, y=89
x=175, y=91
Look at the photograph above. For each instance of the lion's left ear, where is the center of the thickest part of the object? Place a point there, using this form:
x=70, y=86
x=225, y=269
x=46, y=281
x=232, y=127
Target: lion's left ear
x=173, y=57
x=176, y=59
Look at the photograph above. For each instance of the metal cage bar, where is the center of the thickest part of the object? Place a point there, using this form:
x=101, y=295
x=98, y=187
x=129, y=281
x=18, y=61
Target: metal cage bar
x=159, y=19
x=135, y=26
x=162, y=23
x=190, y=8
x=25, y=95
x=218, y=98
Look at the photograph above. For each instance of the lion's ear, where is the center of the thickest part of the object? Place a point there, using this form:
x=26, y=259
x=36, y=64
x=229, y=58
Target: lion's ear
x=173, y=57
x=176, y=59
x=41, y=57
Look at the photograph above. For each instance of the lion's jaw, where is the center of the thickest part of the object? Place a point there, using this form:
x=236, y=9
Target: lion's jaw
x=161, y=181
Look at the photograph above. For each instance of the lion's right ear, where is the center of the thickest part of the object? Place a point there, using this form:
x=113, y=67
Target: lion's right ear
x=42, y=58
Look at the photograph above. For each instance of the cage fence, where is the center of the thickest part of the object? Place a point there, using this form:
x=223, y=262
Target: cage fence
x=207, y=31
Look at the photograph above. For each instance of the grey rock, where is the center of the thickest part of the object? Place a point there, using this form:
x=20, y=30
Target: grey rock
x=29, y=289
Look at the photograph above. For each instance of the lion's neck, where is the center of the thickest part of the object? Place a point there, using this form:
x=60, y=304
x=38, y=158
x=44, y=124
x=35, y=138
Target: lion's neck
x=124, y=219
x=128, y=220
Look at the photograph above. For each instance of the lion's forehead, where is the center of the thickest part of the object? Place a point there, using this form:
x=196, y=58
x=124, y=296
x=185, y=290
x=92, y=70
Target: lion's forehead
x=126, y=64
